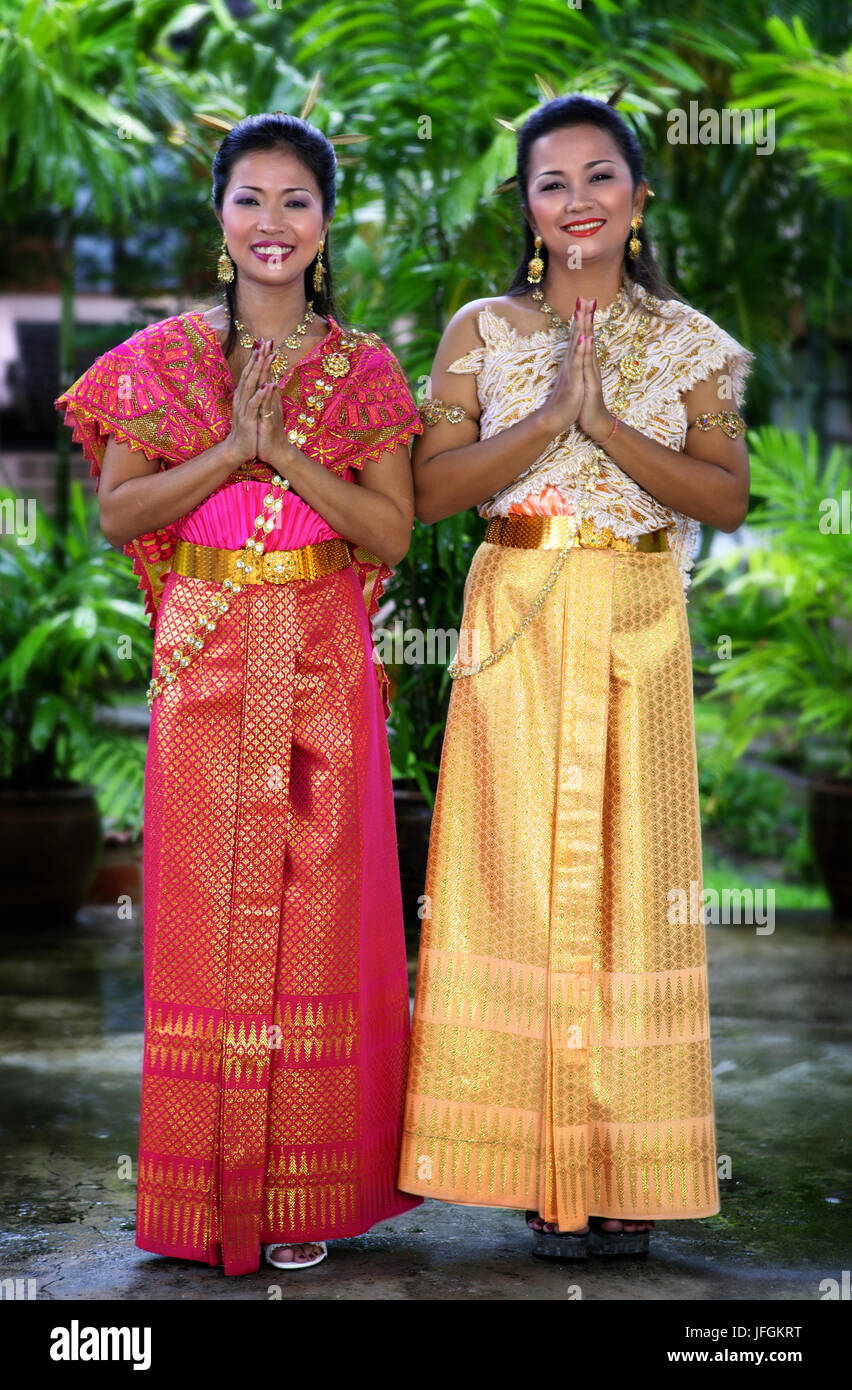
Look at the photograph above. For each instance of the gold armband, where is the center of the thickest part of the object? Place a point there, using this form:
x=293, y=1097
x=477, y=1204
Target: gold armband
x=727, y=420
x=432, y=410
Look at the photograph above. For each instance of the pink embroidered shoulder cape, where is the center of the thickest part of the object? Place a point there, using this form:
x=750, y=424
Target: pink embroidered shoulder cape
x=167, y=391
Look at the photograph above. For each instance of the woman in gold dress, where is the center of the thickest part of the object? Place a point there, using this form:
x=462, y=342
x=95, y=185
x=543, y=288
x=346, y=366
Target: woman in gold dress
x=560, y=1056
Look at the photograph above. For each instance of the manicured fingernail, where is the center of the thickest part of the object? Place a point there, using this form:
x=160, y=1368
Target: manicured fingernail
x=594, y=305
x=580, y=339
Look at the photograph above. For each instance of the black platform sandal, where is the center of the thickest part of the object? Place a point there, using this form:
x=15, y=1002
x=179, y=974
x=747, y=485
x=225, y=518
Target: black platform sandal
x=550, y=1245
x=603, y=1242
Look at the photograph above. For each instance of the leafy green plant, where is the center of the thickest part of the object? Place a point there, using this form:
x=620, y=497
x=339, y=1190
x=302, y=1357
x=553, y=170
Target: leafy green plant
x=785, y=603
x=427, y=596
x=810, y=93
x=113, y=762
x=72, y=640
x=408, y=745
x=749, y=811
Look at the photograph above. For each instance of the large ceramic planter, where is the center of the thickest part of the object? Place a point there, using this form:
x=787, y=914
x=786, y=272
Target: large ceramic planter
x=50, y=841
x=118, y=876
x=830, y=818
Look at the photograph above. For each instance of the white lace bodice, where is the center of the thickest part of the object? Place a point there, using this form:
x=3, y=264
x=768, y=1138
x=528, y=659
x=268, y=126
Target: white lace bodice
x=515, y=374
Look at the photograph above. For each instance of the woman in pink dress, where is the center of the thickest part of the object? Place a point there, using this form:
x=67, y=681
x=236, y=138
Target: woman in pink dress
x=276, y=995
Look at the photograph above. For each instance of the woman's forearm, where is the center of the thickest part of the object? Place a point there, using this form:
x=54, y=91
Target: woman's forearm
x=456, y=479
x=364, y=516
x=705, y=491
x=155, y=500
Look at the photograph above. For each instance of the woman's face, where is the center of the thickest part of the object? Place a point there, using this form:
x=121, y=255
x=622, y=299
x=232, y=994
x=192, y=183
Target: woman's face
x=577, y=175
x=272, y=216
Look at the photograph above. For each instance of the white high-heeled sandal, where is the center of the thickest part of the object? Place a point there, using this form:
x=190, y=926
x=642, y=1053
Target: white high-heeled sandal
x=295, y=1264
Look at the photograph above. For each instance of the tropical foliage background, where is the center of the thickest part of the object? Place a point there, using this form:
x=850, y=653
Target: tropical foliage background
x=101, y=145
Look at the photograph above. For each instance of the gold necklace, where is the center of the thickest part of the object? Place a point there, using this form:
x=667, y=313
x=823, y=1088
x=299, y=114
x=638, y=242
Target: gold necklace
x=603, y=329
x=630, y=366
x=280, y=361
x=630, y=371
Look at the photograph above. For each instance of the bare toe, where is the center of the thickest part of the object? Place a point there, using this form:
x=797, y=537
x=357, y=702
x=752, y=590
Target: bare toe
x=297, y=1253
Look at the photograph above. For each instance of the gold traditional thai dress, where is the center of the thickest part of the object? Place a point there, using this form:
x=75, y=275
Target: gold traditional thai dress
x=560, y=1053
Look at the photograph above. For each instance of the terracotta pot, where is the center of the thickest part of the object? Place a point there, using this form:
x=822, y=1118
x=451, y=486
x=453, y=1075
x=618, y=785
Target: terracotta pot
x=118, y=875
x=830, y=824
x=413, y=822
x=50, y=841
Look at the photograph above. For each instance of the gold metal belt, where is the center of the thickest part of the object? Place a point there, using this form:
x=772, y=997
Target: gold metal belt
x=553, y=532
x=272, y=567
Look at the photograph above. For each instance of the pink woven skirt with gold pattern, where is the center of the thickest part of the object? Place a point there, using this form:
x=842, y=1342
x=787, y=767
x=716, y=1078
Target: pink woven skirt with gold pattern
x=276, y=995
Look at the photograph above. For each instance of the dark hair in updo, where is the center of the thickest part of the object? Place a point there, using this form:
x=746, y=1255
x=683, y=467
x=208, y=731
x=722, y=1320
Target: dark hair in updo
x=271, y=131
x=558, y=114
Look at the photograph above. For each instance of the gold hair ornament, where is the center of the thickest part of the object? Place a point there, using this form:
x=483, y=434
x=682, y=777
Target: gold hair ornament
x=221, y=124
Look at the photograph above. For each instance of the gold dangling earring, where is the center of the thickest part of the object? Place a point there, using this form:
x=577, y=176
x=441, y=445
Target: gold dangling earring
x=225, y=266
x=318, y=268
x=535, y=267
x=634, y=245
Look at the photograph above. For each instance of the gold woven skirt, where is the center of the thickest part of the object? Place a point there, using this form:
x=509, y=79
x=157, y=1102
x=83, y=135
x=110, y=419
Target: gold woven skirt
x=560, y=1054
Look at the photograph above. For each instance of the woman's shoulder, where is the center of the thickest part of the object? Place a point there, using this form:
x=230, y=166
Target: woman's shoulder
x=135, y=375
x=138, y=353
x=358, y=337
x=369, y=350
x=147, y=342
x=475, y=319
x=680, y=315
x=477, y=326
x=695, y=345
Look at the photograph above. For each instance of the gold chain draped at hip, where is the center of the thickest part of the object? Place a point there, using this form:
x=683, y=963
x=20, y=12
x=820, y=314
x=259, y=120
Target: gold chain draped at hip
x=550, y=533
x=272, y=567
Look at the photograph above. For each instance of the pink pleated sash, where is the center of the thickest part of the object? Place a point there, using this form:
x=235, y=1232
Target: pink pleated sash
x=226, y=519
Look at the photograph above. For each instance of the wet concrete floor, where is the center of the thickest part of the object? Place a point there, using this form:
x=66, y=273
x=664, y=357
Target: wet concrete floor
x=71, y=1001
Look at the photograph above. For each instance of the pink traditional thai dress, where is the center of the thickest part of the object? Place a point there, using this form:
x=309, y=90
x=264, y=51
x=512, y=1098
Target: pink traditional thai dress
x=276, y=993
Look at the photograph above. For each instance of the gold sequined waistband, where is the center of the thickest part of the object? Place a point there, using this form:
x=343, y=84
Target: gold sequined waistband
x=553, y=532
x=272, y=567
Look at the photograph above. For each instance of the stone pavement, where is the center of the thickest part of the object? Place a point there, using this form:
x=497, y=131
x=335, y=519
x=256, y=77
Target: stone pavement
x=71, y=1063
